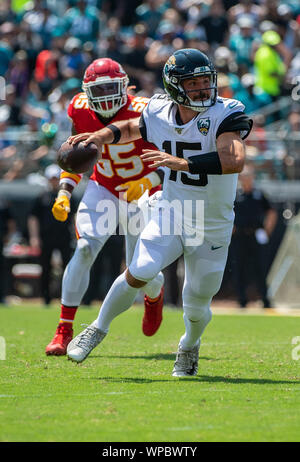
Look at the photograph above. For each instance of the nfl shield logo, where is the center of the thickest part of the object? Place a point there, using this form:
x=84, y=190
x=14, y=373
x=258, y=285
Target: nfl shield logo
x=203, y=126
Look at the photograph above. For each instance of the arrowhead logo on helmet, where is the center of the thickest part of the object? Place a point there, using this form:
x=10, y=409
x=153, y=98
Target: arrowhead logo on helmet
x=105, y=83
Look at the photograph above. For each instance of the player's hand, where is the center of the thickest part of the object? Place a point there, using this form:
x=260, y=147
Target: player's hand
x=162, y=159
x=134, y=189
x=86, y=139
x=61, y=208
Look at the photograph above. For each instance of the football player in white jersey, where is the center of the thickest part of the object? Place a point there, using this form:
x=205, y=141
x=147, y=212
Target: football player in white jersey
x=200, y=141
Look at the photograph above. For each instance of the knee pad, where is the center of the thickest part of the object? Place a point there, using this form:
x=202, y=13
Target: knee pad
x=87, y=250
x=144, y=272
x=145, y=266
x=198, y=311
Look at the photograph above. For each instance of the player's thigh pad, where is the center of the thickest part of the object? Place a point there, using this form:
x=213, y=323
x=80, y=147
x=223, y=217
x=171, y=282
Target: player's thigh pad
x=98, y=215
x=151, y=256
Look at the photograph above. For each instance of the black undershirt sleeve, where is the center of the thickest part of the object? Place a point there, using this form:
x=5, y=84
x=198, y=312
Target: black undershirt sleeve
x=210, y=163
x=238, y=121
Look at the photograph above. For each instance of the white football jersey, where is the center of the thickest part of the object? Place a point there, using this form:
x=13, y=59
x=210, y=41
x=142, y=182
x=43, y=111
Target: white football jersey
x=198, y=136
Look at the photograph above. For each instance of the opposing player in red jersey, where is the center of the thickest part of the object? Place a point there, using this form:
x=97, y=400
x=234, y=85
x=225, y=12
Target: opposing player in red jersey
x=105, y=100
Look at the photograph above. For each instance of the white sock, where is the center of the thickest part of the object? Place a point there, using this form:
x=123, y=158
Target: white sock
x=193, y=331
x=153, y=287
x=120, y=297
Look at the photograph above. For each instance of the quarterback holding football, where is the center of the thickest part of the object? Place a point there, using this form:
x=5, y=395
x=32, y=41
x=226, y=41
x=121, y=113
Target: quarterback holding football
x=119, y=169
x=199, y=139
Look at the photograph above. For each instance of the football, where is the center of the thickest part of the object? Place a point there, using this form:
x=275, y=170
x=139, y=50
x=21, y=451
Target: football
x=77, y=158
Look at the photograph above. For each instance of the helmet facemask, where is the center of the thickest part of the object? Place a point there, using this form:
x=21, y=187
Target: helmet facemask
x=206, y=99
x=107, y=95
x=180, y=96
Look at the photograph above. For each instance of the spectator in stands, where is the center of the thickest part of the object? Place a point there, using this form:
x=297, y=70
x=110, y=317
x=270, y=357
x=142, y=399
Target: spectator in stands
x=6, y=12
x=46, y=70
x=255, y=220
x=72, y=63
x=195, y=37
x=112, y=47
x=48, y=234
x=147, y=85
x=215, y=25
x=18, y=74
x=161, y=49
x=13, y=105
x=287, y=27
x=246, y=7
x=226, y=64
x=6, y=46
x=31, y=43
x=43, y=23
x=150, y=13
x=82, y=21
x=241, y=43
x=134, y=55
x=269, y=65
x=174, y=17
x=251, y=96
x=194, y=11
x=224, y=88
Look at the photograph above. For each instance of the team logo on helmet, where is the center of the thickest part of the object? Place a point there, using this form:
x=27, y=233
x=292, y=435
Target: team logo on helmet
x=171, y=61
x=203, y=126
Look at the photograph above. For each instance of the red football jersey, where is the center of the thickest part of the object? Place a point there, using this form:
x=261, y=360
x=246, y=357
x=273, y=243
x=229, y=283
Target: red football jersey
x=120, y=162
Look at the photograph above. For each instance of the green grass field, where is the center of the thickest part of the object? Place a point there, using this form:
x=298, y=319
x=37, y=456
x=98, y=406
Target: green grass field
x=248, y=386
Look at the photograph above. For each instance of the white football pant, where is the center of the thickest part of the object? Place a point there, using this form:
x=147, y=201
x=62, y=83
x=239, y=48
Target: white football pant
x=98, y=216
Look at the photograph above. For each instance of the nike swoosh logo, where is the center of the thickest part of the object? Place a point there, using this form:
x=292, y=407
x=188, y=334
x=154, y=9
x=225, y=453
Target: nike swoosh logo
x=215, y=248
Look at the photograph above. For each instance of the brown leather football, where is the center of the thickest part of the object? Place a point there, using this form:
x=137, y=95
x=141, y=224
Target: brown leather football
x=77, y=158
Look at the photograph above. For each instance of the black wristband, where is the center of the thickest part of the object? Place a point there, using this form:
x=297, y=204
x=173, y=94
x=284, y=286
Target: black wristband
x=205, y=163
x=117, y=133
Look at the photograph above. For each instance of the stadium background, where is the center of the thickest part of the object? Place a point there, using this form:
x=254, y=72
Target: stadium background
x=45, y=47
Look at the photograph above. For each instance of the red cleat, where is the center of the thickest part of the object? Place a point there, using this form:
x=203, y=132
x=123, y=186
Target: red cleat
x=60, y=341
x=153, y=314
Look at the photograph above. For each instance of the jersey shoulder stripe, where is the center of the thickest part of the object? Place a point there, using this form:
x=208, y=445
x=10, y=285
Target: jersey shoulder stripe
x=231, y=117
x=137, y=103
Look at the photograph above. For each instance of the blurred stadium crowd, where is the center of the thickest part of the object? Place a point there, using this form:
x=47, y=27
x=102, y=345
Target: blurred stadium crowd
x=45, y=45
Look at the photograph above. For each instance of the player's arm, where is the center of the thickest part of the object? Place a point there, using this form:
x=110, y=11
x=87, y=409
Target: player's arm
x=228, y=158
x=231, y=152
x=117, y=133
x=61, y=207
